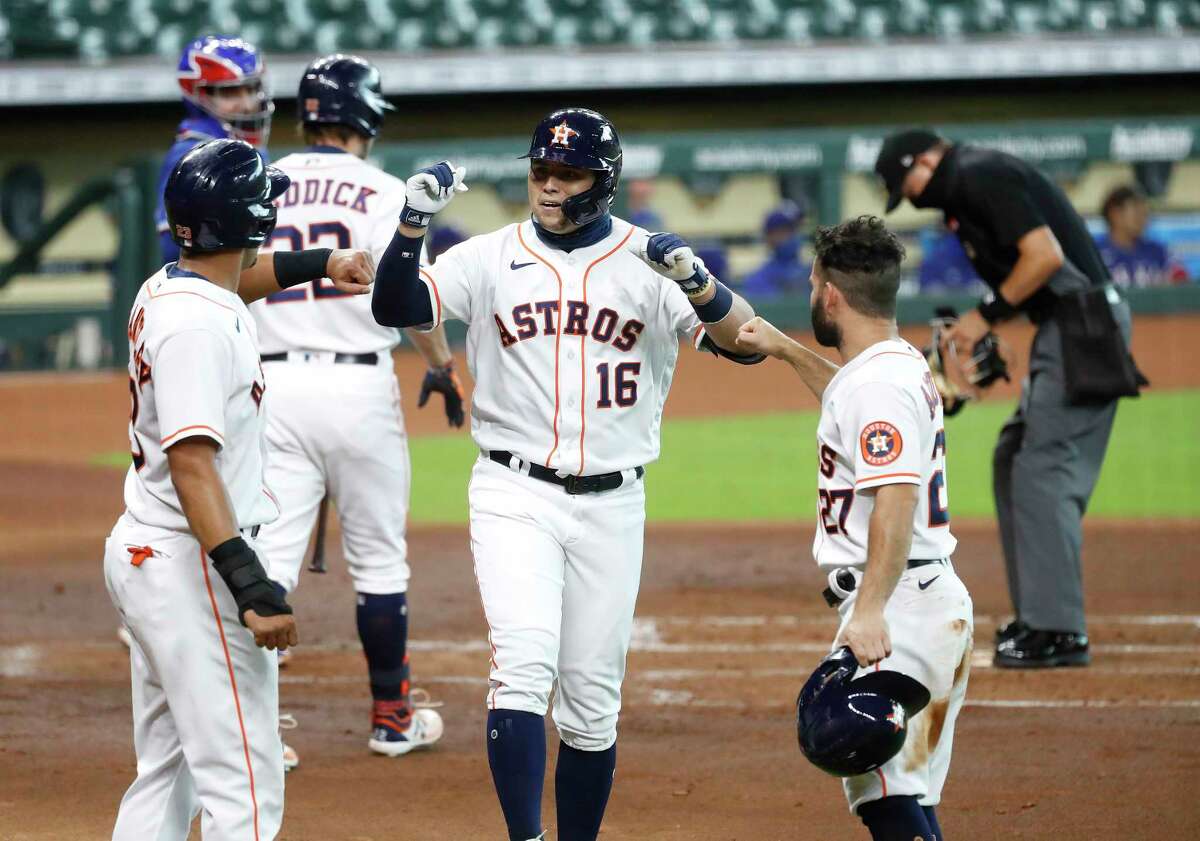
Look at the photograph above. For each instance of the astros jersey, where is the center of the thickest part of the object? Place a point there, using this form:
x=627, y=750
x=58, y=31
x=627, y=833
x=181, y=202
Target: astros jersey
x=194, y=370
x=881, y=423
x=572, y=353
x=336, y=200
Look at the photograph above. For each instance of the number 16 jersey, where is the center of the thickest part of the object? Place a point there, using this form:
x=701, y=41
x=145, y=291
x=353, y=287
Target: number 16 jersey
x=881, y=424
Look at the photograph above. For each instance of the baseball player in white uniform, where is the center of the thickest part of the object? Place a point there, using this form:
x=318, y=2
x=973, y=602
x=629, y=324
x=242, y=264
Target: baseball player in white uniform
x=336, y=425
x=883, y=523
x=572, y=340
x=180, y=564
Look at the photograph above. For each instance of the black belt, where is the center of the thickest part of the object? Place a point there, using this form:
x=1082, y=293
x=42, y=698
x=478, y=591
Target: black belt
x=253, y=531
x=573, y=484
x=846, y=581
x=338, y=358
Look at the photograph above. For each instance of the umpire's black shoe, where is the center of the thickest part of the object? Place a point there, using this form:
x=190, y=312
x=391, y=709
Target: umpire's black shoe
x=1032, y=649
x=1009, y=630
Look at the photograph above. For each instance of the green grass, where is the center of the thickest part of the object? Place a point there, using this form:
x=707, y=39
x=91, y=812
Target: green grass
x=763, y=467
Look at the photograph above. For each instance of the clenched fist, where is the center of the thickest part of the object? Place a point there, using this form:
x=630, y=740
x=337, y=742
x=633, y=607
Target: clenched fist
x=351, y=271
x=761, y=336
x=272, y=632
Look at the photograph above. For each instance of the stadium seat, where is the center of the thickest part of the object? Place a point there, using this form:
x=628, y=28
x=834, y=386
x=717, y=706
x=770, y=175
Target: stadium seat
x=1183, y=190
x=738, y=209
x=1088, y=191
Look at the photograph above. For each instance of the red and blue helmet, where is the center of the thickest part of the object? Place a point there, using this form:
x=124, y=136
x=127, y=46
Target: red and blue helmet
x=213, y=62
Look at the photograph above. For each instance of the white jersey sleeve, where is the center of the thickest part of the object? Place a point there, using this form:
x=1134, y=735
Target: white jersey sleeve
x=678, y=314
x=455, y=282
x=887, y=435
x=192, y=383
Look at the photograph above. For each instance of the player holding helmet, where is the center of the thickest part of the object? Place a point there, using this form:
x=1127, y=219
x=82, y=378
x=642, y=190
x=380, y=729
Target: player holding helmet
x=573, y=334
x=336, y=422
x=223, y=81
x=883, y=537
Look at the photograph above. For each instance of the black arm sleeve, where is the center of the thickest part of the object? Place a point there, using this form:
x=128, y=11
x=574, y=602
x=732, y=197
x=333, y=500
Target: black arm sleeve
x=400, y=299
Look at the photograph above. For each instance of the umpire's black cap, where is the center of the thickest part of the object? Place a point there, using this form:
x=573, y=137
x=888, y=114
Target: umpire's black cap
x=896, y=158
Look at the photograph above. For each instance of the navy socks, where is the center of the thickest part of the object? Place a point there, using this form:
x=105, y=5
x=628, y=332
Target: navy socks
x=897, y=819
x=383, y=629
x=931, y=817
x=582, y=783
x=516, y=745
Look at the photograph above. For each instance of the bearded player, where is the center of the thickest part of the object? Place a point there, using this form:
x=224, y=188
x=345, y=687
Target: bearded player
x=574, y=319
x=883, y=525
x=336, y=424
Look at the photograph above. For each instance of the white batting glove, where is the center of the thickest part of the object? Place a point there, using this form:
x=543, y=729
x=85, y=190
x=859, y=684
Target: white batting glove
x=429, y=191
x=673, y=258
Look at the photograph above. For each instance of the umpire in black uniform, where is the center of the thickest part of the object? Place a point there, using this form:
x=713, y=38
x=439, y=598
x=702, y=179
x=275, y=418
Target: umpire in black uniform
x=1033, y=250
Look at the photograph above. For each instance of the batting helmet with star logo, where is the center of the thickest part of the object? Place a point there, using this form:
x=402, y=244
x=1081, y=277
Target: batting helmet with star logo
x=586, y=139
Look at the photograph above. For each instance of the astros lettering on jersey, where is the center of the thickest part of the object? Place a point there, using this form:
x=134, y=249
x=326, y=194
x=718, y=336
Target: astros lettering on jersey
x=592, y=336
x=881, y=423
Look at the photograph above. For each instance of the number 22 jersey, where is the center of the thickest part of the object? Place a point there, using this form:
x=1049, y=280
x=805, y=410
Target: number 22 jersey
x=881, y=424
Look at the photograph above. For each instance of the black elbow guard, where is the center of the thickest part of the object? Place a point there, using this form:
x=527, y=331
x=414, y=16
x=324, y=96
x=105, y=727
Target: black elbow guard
x=706, y=343
x=243, y=573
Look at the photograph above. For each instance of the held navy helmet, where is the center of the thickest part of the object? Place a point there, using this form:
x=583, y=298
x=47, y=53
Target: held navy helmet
x=220, y=196
x=343, y=90
x=848, y=726
x=586, y=139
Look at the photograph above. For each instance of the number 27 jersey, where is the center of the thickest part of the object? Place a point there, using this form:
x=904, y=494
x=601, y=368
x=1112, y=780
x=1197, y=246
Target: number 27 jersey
x=881, y=424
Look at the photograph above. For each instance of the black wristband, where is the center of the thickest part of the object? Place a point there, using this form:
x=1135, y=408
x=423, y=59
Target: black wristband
x=994, y=308
x=717, y=307
x=295, y=267
x=243, y=573
x=415, y=218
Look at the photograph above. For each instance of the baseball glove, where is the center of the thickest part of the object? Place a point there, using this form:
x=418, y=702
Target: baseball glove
x=957, y=381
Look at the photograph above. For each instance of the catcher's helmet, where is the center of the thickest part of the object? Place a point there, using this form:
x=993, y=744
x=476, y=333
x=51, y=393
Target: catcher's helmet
x=222, y=61
x=585, y=139
x=343, y=90
x=849, y=726
x=221, y=196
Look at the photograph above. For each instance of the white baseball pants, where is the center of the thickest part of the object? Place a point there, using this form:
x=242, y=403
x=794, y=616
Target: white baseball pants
x=559, y=576
x=205, y=697
x=338, y=426
x=931, y=631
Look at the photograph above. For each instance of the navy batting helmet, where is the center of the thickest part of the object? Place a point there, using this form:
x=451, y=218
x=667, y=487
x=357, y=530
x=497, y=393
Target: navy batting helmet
x=221, y=196
x=585, y=139
x=343, y=90
x=848, y=726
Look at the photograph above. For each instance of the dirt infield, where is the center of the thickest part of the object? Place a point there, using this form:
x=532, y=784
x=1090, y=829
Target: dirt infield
x=729, y=621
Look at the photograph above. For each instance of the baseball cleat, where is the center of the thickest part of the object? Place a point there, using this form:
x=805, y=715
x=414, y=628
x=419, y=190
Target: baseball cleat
x=398, y=729
x=1032, y=649
x=291, y=759
x=285, y=657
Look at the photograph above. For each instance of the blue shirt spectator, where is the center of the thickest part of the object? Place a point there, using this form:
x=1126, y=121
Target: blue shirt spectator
x=1132, y=258
x=784, y=271
x=443, y=238
x=713, y=255
x=945, y=267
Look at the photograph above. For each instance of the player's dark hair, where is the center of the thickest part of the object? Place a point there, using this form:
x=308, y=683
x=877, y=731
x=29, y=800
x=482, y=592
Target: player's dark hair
x=315, y=134
x=1119, y=197
x=862, y=258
